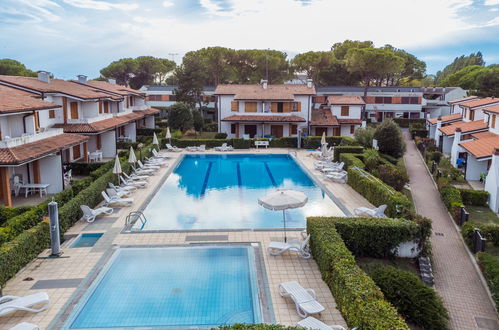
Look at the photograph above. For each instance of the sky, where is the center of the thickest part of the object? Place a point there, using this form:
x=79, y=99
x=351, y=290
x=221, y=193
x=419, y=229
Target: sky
x=71, y=37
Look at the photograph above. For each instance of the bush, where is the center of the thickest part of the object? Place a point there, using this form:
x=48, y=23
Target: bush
x=414, y=300
x=359, y=300
x=221, y=136
x=348, y=149
x=314, y=142
x=474, y=197
x=351, y=160
x=197, y=120
x=434, y=156
x=490, y=269
x=372, y=237
x=284, y=142
x=149, y=131
x=390, y=139
x=240, y=143
x=210, y=127
x=261, y=326
x=371, y=159
x=364, y=136
x=162, y=124
x=209, y=143
x=393, y=176
x=489, y=231
x=180, y=117
x=451, y=196
x=85, y=168
x=418, y=130
x=7, y=212
x=405, y=122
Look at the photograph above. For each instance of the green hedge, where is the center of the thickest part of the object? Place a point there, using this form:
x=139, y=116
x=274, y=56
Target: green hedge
x=371, y=237
x=378, y=193
x=489, y=231
x=359, y=300
x=149, y=131
x=415, y=301
x=451, y=196
x=347, y=149
x=209, y=143
x=405, y=122
x=260, y=326
x=240, y=143
x=352, y=160
x=474, y=197
x=314, y=142
x=490, y=269
x=7, y=212
x=83, y=168
x=284, y=142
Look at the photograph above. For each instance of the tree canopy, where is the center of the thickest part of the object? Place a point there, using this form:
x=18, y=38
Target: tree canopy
x=458, y=64
x=480, y=80
x=14, y=68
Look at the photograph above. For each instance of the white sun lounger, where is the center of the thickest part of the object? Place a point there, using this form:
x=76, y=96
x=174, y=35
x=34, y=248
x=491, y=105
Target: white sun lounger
x=156, y=161
x=117, y=194
x=148, y=166
x=143, y=171
x=340, y=177
x=129, y=189
x=90, y=214
x=276, y=248
x=11, y=304
x=378, y=212
x=121, y=201
x=135, y=177
x=305, y=299
x=25, y=326
x=169, y=147
x=159, y=154
x=224, y=147
x=337, y=168
x=139, y=184
x=314, y=324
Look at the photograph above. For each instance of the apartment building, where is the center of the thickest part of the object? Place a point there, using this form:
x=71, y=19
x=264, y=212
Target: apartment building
x=340, y=117
x=32, y=151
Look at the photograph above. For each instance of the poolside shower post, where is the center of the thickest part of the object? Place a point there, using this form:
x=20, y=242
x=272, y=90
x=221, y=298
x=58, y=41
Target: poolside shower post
x=55, y=241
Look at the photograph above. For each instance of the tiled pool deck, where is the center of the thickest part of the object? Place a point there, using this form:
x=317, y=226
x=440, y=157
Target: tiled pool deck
x=77, y=263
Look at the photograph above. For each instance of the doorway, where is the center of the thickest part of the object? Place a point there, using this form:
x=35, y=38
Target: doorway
x=250, y=130
x=320, y=130
x=276, y=130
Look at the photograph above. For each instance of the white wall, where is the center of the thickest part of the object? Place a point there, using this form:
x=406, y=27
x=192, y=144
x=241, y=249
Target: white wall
x=51, y=173
x=108, y=141
x=447, y=145
x=150, y=122
x=431, y=131
x=475, y=167
x=92, y=143
x=131, y=131
x=354, y=111
x=345, y=130
x=12, y=125
x=88, y=109
x=47, y=122
x=492, y=184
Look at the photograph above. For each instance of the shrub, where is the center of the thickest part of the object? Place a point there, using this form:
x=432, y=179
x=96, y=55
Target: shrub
x=474, y=197
x=197, y=120
x=149, y=131
x=314, y=142
x=284, y=142
x=162, y=123
x=209, y=143
x=7, y=212
x=393, y=176
x=221, y=136
x=490, y=269
x=86, y=168
x=415, y=301
x=364, y=136
x=451, y=196
x=210, y=127
x=349, y=149
x=240, y=143
x=177, y=134
x=261, y=326
x=372, y=237
x=371, y=159
x=390, y=139
x=489, y=231
x=418, y=130
x=434, y=156
x=351, y=160
x=180, y=117
x=405, y=122
x=359, y=300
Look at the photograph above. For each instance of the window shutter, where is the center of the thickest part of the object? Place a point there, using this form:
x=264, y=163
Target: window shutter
x=298, y=106
x=249, y=106
x=345, y=110
x=286, y=107
x=273, y=107
x=51, y=113
x=234, y=106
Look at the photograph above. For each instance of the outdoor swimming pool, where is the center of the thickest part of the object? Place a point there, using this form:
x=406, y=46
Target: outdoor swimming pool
x=172, y=287
x=222, y=191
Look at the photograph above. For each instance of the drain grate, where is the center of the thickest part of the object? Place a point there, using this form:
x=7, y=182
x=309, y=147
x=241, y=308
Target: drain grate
x=439, y=234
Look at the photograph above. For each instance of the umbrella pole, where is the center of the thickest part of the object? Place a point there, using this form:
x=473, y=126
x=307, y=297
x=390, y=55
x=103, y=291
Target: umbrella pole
x=284, y=217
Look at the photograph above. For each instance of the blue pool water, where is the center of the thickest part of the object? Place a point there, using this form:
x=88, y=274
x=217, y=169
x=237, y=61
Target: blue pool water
x=86, y=240
x=175, y=287
x=222, y=191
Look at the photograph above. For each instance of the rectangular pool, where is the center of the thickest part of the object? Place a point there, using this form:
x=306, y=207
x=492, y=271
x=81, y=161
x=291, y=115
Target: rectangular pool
x=86, y=240
x=172, y=287
x=222, y=191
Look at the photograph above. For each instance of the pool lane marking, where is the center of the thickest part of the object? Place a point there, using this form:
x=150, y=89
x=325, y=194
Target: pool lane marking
x=239, y=181
x=270, y=174
x=207, y=176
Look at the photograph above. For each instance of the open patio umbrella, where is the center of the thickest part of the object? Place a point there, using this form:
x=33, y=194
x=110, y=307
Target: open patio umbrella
x=168, y=135
x=131, y=158
x=283, y=199
x=117, y=168
x=155, y=139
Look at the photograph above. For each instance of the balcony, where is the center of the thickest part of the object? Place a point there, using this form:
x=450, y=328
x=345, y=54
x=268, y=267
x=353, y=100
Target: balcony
x=139, y=107
x=91, y=119
x=28, y=138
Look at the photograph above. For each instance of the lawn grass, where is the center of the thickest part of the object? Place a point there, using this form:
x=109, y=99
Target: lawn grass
x=202, y=135
x=482, y=214
x=400, y=263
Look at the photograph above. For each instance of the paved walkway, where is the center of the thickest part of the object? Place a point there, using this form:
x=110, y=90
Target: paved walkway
x=456, y=278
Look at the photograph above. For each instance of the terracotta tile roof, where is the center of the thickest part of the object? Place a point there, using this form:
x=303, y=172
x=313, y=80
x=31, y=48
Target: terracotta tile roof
x=257, y=92
x=482, y=147
x=445, y=119
x=323, y=117
x=345, y=99
x=113, y=88
x=263, y=118
x=15, y=100
x=148, y=111
x=483, y=135
x=100, y=126
x=480, y=102
x=57, y=86
x=465, y=127
x=30, y=151
x=494, y=109
x=468, y=98
x=351, y=121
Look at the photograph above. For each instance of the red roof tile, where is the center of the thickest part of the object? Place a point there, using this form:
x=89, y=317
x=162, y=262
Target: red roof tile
x=351, y=121
x=257, y=92
x=482, y=147
x=14, y=100
x=494, y=109
x=446, y=119
x=323, y=117
x=100, y=126
x=31, y=151
x=148, y=111
x=345, y=99
x=263, y=118
x=480, y=102
x=483, y=135
x=468, y=98
x=113, y=88
x=465, y=127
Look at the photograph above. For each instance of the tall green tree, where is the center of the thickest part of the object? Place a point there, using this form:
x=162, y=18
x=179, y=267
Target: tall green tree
x=340, y=49
x=14, y=68
x=390, y=140
x=460, y=63
x=191, y=77
x=480, y=80
x=122, y=70
x=180, y=117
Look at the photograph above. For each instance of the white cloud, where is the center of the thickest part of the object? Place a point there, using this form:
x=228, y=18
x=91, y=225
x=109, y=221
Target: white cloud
x=167, y=3
x=101, y=5
x=32, y=10
x=493, y=9
x=491, y=2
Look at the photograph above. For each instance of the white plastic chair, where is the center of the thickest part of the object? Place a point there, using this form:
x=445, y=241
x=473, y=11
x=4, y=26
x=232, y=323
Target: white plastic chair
x=300, y=247
x=314, y=324
x=90, y=214
x=11, y=304
x=305, y=299
x=378, y=212
x=120, y=201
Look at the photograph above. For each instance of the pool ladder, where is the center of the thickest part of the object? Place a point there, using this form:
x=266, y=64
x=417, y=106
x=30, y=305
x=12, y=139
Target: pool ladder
x=134, y=216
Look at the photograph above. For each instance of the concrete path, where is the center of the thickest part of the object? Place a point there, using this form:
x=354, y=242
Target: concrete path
x=457, y=279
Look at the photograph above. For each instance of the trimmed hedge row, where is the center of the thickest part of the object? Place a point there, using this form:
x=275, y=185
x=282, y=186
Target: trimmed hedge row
x=371, y=237
x=347, y=149
x=414, y=300
x=7, y=212
x=490, y=269
x=352, y=160
x=405, y=122
x=149, y=131
x=359, y=300
x=378, y=193
x=83, y=168
x=489, y=231
x=314, y=142
x=451, y=196
x=474, y=197
x=261, y=326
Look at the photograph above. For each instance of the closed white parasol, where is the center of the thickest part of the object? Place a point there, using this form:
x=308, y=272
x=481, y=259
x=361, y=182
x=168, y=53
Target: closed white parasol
x=117, y=168
x=132, y=159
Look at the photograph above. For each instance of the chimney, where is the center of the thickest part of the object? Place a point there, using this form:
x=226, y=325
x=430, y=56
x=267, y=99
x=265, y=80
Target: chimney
x=455, y=147
x=265, y=84
x=309, y=83
x=44, y=76
x=437, y=131
x=82, y=78
x=112, y=81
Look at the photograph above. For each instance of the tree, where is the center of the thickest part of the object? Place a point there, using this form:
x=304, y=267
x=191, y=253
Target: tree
x=197, y=120
x=14, y=68
x=390, y=141
x=365, y=136
x=122, y=70
x=180, y=117
x=313, y=64
x=488, y=81
x=460, y=63
x=190, y=78
x=340, y=49
x=480, y=80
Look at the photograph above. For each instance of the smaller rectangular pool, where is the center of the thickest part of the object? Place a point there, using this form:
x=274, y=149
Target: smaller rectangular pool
x=172, y=287
x=86, y=240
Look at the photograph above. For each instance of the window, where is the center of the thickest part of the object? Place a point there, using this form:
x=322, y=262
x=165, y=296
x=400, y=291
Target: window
x=472, y=115
x=378, y=100
x=293, y=129
x=51, y=114
x=352, y=129
x=76, y=152
x=106, y=106
x=296, y=106
x=249, y=106
x=233, y=128
x=74, y=110
x=345, y=110
x=414, y=100
x=234, y=106
x=493, y=122
x=155, y=98
x=387, y=100
x=132, y=101
x=406, y=100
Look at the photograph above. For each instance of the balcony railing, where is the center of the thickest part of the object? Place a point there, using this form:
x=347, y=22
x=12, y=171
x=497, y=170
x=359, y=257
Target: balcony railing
x=91, y=119
x=17, y=141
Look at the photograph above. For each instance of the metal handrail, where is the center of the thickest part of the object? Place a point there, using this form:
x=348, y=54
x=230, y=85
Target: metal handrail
x=133, y=216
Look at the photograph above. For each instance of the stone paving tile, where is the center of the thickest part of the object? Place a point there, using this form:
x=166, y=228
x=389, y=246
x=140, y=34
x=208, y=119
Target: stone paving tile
x=456, y=277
